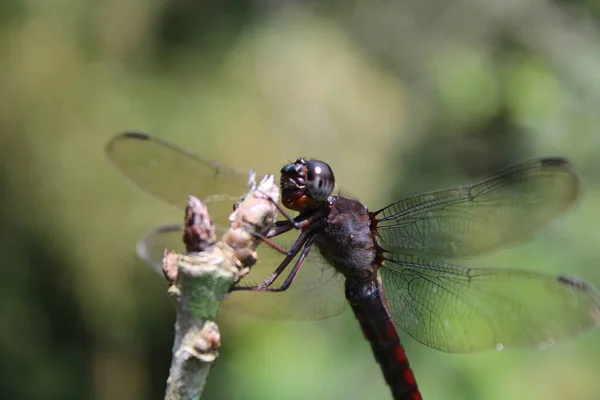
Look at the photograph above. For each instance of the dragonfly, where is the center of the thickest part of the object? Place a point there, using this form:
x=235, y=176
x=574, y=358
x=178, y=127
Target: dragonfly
x=396, y=266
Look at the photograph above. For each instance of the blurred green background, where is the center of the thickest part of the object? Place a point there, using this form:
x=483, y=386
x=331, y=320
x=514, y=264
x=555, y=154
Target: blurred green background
x=398, y=96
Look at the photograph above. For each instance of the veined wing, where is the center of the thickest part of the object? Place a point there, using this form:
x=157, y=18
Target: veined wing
x=504, y=208
x=171, y=172
x=457, y=309
x=317, y=292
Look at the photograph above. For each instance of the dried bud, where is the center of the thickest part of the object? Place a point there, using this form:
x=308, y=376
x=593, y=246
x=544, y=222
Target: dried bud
x=170, y=266
x=199, y=230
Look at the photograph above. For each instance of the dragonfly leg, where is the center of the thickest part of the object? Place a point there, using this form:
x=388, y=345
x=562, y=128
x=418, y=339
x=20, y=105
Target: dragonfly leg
x=280, y=228
x=288, y=281
x=284, y=226
x=282, y=211
x=290, y=278
x=271, y=244
x=296, y=247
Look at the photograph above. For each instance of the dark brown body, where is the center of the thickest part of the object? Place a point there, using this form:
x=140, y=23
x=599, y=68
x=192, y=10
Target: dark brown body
x=347, y=241
x=349, y=244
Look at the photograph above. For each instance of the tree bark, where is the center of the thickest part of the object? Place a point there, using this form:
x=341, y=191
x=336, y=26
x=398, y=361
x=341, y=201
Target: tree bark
x=200, y=279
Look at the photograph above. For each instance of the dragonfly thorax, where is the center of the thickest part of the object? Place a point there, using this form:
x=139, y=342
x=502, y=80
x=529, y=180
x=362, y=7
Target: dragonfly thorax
x=347, y=242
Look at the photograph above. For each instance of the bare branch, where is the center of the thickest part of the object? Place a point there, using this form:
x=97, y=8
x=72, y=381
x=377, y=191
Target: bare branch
x=200, y=279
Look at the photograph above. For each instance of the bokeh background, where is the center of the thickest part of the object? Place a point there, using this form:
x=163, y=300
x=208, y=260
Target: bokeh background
x=398, y=96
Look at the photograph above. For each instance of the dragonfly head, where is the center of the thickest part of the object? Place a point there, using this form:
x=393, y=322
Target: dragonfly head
x=306, y=184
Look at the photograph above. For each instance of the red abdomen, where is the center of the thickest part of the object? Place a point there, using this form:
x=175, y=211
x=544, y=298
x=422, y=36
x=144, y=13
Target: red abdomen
x=368, y=303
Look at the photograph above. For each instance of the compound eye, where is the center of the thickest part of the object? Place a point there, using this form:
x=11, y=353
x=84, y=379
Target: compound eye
x=319, y=180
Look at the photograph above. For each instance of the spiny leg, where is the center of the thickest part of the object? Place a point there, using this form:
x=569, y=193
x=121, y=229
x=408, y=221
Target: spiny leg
x=296, y=247
x=290, y=278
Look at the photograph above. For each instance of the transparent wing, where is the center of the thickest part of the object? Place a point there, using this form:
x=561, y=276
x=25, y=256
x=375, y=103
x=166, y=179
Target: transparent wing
x=317, y=292
x=457, y=309
x=152, y=246
x=171, y=172
x=501, y=209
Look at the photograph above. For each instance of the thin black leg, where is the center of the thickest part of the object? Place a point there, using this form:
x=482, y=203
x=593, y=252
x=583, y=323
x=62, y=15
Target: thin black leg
x=290, y=278
x=284, y=213
x=282, y=227
x=271, y=244
x=296, y=247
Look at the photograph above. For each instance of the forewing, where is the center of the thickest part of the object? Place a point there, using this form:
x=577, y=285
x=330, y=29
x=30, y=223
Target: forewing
x=501, y=209
x=317, y=292
x=171, y=172
x=457, y=309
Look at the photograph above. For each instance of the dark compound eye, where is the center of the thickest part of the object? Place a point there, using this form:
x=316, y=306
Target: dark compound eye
x=319, y=180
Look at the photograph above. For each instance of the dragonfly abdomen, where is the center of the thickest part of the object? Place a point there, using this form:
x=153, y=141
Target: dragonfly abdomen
x=368, y=303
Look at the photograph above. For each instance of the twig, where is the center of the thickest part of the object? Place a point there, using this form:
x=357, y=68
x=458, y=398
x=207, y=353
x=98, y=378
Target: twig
x=200, y=279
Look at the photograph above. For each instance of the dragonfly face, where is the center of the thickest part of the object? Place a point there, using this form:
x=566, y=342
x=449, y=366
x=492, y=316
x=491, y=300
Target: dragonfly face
x=306, y=184
x=403, y=250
